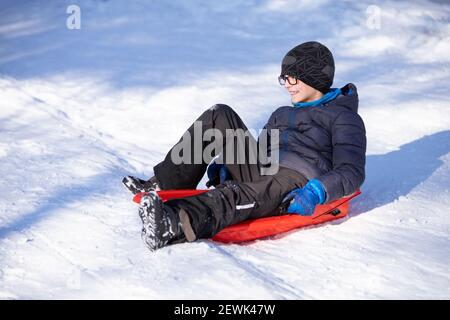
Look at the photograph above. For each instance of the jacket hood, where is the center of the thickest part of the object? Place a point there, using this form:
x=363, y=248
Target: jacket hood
x=347, y=99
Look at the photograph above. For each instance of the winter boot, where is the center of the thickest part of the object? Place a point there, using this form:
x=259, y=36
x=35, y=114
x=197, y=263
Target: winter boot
x=161, y=223
x=136, y=185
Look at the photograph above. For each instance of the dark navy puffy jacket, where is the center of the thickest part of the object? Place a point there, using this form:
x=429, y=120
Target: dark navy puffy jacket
x=327, y=142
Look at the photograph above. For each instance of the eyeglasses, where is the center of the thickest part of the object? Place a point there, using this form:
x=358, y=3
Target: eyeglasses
x=291, y=80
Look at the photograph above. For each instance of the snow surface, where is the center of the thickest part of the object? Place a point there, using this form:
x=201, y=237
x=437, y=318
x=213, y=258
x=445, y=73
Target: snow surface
x=81, y=108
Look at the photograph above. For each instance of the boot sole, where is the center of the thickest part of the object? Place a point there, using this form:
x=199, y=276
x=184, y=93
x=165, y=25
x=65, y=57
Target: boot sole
x=132, y=186
x=151, y=211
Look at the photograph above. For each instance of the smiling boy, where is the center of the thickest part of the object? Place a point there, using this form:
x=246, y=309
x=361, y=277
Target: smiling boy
x=321, y=157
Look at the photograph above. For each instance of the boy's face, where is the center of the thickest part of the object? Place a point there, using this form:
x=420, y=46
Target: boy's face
x=301, y=92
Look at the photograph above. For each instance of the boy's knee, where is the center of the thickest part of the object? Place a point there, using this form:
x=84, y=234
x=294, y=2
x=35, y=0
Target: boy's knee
x=221, y=108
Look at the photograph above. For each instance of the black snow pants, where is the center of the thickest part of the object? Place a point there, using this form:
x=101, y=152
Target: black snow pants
x=248, y=194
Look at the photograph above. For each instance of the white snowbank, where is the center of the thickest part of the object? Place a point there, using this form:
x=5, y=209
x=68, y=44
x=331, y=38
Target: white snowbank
x=79, y=109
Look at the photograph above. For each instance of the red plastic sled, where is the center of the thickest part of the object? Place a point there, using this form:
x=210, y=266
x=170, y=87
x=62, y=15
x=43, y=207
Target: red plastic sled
x=265, y=227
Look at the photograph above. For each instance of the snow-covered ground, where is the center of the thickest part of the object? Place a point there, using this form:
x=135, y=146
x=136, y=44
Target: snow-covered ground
x=81, y=108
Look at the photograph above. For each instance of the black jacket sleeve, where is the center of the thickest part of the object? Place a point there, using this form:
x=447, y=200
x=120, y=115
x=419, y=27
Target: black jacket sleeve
x=349, y=156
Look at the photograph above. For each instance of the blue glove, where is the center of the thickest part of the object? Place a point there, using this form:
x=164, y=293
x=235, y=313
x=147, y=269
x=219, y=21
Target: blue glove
x=303, y=201
x=217, y=174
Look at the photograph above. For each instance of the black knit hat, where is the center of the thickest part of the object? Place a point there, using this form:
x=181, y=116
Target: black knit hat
x=312, y=63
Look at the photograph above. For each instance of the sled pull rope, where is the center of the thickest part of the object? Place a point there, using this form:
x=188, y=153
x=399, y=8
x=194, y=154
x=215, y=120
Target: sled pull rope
x=334, y=212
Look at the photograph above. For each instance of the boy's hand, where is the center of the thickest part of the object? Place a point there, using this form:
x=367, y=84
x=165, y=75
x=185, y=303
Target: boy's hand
x=303, y=201
x=217, y=174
